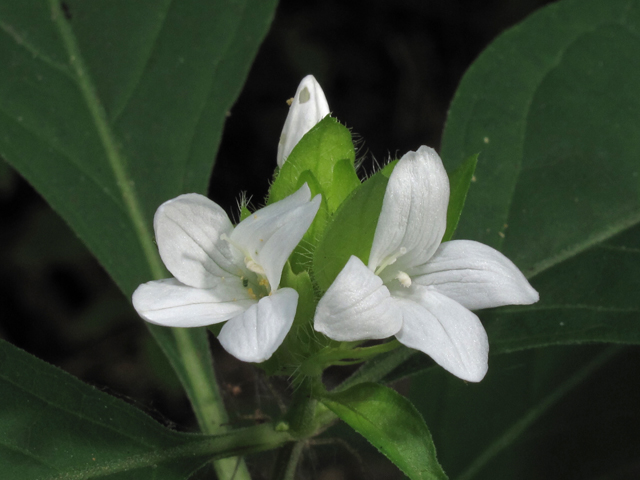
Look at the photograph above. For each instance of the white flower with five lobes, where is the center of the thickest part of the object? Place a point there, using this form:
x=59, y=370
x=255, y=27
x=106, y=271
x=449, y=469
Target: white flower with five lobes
x=417, y=288
x=226, y=273
x=308, y=107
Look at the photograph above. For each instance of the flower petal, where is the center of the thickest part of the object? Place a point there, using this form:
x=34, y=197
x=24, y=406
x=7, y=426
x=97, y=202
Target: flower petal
x=357, y=306
x=308, y=107
x=254, y=335
x=475, y=275
x=414, y=211
x=173, y=304
x=270, y=234
x=188, y=230
x=446, y=331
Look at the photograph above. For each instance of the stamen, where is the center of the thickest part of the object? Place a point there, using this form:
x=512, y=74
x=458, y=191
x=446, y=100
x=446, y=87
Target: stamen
x=404, y=279
x=390, y=260
x=253, y=266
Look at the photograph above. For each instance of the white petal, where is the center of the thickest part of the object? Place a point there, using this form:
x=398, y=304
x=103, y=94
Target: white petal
x=414, y=211
x=270, y=234
x=254, y=335
x=173, y=304
x=309, y=106
x=357, y=306
x=475, y=275
x=446, y=331
x=188, y=230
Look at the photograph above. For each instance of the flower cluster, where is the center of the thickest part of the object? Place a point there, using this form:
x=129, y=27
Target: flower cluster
x=413, y=286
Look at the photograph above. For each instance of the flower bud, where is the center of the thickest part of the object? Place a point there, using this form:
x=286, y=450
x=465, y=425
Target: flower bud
x=308, y=107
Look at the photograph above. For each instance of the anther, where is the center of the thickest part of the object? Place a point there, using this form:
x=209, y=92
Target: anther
x=404, y=279
x=253, y=266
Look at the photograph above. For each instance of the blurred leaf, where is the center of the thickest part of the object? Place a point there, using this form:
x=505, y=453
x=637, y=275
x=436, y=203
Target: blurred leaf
x=109, y=108
x=553, y=106
x=459, y=181
x=392, y=424
x=54, y=426
x=7, y=179
x=477, y=427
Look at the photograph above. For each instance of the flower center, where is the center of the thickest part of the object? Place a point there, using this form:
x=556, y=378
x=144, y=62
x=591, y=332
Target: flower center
x=255, y=280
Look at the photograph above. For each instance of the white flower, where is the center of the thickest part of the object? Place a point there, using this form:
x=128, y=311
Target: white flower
x=308, y=107
x=226, y=273
x=416, y=288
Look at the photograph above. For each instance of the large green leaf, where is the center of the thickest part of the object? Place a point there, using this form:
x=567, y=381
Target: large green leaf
x=392, y=424
x=52, y=426
x=111, y=107
x=553, y=105
x=482, y=430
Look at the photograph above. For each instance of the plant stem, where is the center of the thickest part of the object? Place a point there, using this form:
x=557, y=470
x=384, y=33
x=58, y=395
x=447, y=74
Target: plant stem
x=204, y=394
x=289, y=457
x=302, y=425
x=207, y=402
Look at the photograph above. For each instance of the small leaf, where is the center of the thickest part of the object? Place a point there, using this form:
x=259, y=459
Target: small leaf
x=392, y=424
x=459, y=181
x=351, y=230
x=326, y=152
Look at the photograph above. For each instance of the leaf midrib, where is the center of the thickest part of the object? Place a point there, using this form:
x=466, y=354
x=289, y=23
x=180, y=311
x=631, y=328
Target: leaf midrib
x=107, y=138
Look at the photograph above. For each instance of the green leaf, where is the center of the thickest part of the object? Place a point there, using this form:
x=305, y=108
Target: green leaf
x=324, y=159
x=351, y=230
x=392, y=424
x=482, y=430
x=327, y=154
x=552, y=105
x=110, y=108
x=459, y=181
x=52, y=426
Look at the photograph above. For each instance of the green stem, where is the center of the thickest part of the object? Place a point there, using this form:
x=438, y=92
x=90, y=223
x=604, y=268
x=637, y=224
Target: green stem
x=205, y=396
x=287, y=461
x=207, y=402
x=345, y=356
x=294, y=459
x=302, y=422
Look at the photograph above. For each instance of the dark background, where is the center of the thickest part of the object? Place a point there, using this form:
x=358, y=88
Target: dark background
x=389, y=71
